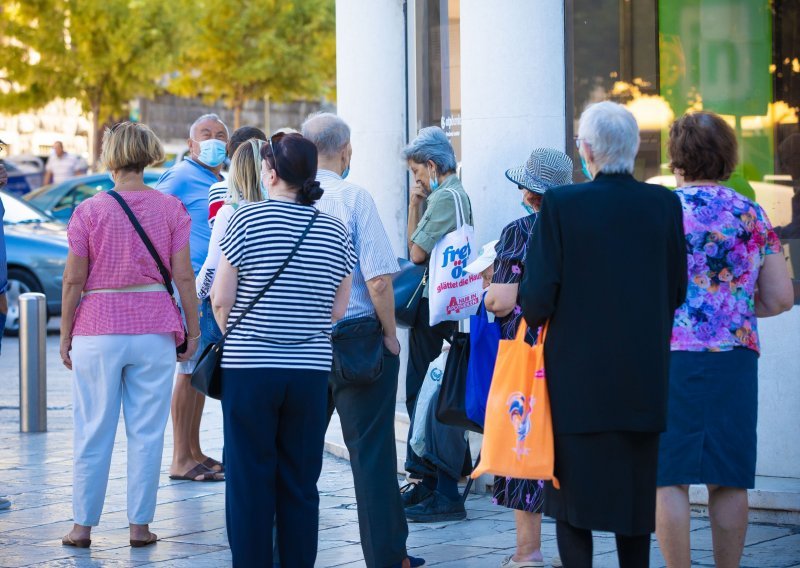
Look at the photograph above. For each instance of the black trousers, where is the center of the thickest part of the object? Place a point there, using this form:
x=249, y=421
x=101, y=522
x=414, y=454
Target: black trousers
x=425, y=345
x=366, y=412
x=274, y=423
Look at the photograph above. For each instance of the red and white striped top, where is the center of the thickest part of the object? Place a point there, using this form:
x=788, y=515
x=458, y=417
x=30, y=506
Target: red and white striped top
x=100, y=230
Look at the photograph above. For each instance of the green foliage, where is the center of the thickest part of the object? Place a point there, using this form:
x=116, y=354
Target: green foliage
x=240, y=50
x=101, y=52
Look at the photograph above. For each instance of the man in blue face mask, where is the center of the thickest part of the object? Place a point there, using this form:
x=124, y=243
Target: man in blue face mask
x=189, y=181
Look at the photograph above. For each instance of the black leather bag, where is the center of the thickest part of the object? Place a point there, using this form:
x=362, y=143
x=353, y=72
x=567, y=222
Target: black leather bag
x=207, y=375
x=154, y=253
x=451, y=408
x=357, y=351
x=409, y=283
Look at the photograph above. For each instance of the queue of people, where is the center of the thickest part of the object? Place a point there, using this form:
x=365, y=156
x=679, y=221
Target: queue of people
x=298, y=257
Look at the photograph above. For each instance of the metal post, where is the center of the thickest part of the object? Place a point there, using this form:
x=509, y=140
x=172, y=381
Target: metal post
x=32, y=362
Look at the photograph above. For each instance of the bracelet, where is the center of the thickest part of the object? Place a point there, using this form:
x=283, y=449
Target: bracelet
x=194, y=338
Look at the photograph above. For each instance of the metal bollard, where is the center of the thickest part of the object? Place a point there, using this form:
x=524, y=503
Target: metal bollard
x=32, y=362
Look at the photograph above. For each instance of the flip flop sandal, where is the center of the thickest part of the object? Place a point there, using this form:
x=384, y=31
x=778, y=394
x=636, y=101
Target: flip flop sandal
x=197, y=470
x=140, y=543
x=77, y=543
x=211, y=463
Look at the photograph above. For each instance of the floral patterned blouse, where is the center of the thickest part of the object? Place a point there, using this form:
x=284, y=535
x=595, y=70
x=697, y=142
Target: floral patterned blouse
x=727, y=239
x=509, y=266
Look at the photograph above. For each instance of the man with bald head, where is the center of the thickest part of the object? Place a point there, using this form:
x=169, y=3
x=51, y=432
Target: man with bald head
x=366, y=406
x=189, y=180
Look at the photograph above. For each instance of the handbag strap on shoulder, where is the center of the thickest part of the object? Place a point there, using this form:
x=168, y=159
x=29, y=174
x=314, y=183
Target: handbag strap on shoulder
x=275, y=276
x=145, y=239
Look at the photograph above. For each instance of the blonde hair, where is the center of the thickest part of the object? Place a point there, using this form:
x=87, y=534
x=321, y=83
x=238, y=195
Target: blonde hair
x=130, y=146
x=244, y=177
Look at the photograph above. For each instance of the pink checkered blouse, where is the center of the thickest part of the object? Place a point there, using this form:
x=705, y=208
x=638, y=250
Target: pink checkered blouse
x=100, y=230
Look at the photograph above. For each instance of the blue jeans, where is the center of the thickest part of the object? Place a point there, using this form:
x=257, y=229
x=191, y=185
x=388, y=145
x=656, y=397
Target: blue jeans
x=209, y=333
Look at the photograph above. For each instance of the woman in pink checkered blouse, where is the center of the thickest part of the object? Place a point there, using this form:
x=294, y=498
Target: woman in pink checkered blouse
x=119, y=329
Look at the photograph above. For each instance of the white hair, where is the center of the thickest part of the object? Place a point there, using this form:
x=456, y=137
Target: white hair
x=329, y=133
x=611, y=132
x=210, y=116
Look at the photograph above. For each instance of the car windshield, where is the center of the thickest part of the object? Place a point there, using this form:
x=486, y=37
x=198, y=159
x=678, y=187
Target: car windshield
x=18, y=211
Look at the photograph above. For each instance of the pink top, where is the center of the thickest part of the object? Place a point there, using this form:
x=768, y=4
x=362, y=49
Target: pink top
x=100, y=230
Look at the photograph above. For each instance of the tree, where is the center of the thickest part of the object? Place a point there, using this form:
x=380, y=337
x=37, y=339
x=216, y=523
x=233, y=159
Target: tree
x=104, y=53
x=262, y=49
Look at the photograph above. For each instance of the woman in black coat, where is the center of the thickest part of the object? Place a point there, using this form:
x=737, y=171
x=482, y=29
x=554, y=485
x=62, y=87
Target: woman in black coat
x=610, y=262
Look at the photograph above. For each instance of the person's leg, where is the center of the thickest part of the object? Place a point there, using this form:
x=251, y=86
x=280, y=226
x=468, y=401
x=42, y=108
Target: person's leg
x=366, y=413
x=251, y=403
x=300, y=443
x=529, y=536
x=184, y=398
x=210, y=334
x=146, y=385
x=673, y=524
x=97, y=363
x=574, y=545
x=727, y=511
x=633, y=551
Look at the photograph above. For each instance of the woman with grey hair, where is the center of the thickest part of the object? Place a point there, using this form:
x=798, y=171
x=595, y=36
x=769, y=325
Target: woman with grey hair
x=610, y=271
x=432, y=215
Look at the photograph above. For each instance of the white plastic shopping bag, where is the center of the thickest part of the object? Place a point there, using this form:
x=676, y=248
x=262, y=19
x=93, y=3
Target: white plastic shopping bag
x=428, y=394
x=454, y=294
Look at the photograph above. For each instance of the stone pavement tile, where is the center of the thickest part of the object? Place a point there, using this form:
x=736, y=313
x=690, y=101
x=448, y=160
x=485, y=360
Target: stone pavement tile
x=161, y=551
x=210, y=560
x=445, y=552
x=701, y=538
x=88, y=563
x=216, y=537
x=345, y=554
x=778, y=553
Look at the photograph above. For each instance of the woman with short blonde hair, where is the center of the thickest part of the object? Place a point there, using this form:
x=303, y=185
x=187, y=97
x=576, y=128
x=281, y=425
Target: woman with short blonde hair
x=120, y=328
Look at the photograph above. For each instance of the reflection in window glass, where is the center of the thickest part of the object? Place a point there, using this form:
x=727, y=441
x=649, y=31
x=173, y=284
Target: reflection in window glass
x=738, y=58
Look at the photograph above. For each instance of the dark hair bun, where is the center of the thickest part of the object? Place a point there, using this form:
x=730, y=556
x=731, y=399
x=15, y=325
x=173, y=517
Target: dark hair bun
x=309, y=192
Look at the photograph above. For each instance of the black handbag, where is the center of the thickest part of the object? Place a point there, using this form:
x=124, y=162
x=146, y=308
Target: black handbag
x=207, y=375
x=152, y=250
x=451, y=407
x=357, y=351
x=409, y=283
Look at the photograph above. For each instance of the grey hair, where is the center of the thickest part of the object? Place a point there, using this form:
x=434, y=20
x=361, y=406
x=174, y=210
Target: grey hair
x=329, y=133
x=209, y=116
x=613, y=135
x=431, y=143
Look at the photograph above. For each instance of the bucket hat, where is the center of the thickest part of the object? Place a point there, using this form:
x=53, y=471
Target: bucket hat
x=486, y=257
x=545, y=168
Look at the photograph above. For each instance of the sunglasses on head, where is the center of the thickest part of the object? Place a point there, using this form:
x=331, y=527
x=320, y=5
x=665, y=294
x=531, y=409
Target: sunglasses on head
x=273, y=143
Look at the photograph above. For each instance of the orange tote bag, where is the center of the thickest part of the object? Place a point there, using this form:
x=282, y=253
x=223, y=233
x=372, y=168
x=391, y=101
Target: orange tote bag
x=518, y=433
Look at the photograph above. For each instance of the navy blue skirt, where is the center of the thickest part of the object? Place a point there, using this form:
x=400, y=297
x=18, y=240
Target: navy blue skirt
x=711, y=423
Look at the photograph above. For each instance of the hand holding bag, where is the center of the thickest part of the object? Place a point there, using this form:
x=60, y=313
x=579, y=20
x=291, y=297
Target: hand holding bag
x=484, y=339
x=451, y=405
x=408, y=283
x=518, y=433
x=154, y=253
x=207, y=375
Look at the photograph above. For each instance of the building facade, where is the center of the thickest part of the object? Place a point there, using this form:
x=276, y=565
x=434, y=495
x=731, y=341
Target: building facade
x=507, y=76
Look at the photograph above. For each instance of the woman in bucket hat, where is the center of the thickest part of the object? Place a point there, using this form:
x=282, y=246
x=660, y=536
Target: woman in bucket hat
x=545, y=169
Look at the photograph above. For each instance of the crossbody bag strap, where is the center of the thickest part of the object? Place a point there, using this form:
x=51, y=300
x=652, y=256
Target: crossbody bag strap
x=274, y=277
x=145, y=239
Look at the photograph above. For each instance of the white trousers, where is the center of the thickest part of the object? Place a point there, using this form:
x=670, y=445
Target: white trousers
x=134, y=371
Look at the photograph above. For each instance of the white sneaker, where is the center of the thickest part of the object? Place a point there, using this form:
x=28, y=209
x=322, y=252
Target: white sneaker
x=509, y=562
x=556, y=562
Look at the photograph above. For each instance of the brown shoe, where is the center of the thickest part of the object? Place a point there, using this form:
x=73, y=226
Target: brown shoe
x=77, y=543
x=140, y=543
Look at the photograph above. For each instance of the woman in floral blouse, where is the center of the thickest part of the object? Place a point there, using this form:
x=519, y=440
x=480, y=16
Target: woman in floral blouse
x=546, y=168
x=737, y=273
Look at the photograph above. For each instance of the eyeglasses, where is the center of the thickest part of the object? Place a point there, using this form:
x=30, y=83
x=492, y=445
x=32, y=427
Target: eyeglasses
x=273, y=142
x=578, y=141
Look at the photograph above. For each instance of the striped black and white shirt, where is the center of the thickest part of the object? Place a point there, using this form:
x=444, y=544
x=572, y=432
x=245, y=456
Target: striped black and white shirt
x=289, y=328
x=355, y=207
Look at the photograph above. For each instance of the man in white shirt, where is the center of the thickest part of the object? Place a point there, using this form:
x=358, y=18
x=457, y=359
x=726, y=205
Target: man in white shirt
x=366, y=409
x=62, y=165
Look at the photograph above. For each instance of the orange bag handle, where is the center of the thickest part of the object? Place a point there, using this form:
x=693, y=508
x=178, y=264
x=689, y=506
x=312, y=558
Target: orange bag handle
x=522, y=330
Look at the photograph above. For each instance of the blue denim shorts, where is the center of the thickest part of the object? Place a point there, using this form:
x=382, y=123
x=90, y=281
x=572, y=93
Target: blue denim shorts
x=209, y=333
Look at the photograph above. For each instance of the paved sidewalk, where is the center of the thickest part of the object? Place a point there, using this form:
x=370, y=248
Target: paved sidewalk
x=35, y=471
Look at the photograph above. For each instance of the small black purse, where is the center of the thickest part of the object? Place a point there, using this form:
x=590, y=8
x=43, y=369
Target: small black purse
x=207, y=375
x=180, y=349
x=357, y=351
x=409, y=283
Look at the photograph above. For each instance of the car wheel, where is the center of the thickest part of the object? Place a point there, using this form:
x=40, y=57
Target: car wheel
x=20, y=281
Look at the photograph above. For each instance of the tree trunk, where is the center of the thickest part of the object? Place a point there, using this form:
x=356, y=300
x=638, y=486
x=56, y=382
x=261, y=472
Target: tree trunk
x=97, y=133
x=237, y=115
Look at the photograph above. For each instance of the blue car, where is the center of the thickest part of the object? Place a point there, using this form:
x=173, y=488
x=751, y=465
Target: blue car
x=36, y=247
x=20, y=180
x=60, y=200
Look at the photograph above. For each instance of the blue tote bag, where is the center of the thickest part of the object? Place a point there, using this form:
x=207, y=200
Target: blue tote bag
x=484, y=338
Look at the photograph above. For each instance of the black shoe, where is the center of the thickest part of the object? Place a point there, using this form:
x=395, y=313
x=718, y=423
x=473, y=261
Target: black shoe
x=436, y=509
x=413, y=494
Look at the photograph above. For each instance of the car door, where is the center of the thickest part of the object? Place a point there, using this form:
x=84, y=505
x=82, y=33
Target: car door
x=64, y=207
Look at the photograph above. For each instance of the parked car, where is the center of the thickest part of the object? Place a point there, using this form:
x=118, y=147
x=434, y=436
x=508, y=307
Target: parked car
x=60, y=200
x=36, y=247
x=22, y=177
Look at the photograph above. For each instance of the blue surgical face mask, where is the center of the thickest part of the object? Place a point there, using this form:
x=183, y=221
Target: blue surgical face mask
x=585, y=169
x=346, y=172
x=212, y=152
x=530, y=210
